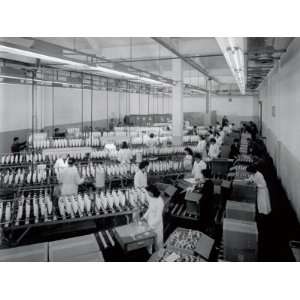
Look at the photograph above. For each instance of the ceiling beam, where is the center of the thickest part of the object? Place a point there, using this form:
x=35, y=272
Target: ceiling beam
x=94, y=58
x=189, y=61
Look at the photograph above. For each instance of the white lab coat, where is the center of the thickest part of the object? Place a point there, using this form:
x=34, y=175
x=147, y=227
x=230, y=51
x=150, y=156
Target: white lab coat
x=227, y=129
x=140, y=179
x=110, y=147
x=59, y=166
x=70, y=180
x=214, y=151
x=151, y=142
x=219, y=141
x=188, y=162
x=201, y=146
x=154, y=218
x=198, y=168
x=263, y=197
x=124, y=155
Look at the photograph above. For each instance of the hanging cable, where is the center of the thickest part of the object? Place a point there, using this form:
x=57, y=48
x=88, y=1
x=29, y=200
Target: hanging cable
x=119, y=84
x=140, y=104
x=82, y=130
x=92, y=87
x=107, y=122
x=52, y=109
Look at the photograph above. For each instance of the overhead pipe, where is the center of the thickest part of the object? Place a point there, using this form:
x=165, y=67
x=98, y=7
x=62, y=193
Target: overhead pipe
x=186, y=60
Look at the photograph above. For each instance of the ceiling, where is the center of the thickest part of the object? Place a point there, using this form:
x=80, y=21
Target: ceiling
x=146, y=54
x=262, y=54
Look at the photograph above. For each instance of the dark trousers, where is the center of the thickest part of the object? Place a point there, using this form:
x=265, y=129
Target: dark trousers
x=264, y=235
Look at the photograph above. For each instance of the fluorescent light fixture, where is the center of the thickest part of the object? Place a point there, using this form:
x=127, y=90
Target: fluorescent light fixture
x=112, y=72
x=35, y=80
x=54, y=59
x=232, y=49
x=153, y=81
x=36, y=55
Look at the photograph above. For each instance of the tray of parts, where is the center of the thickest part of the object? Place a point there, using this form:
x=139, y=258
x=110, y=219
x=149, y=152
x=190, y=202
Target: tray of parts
x=166, y=255
x=185, y=240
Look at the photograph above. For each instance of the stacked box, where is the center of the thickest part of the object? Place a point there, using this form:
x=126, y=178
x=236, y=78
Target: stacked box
x=240, y=240
x=243, y=191
x=84, y=248
x=192, y=200
x=135, y=236
x=240, y=211
x=30, y=253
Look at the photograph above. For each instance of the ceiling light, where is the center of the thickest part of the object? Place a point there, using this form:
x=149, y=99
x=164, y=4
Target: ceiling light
x=232, y=51
x=36, y=55
x=54, y=59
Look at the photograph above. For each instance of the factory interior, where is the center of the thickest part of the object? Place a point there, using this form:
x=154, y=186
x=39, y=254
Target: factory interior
x=149, y=149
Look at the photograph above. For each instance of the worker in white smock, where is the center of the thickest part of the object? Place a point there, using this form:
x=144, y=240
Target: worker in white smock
x=140, y=177
x=188, y=159
x=201, y=147
x=263, y=197
x=219, y=139
x=263, y=217
x=227, y=129
x=214, y=149
x=151, y=141
x=124, y=154
x=60, y=165
x=198, y=168
x=70, y=179
x=154, y=215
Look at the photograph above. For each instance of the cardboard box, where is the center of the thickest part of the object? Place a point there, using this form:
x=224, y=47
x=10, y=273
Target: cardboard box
x=30, y=253
x=72, y=248
x=240, y=240
x=134, y=236
x=243, y=191
x=192, y=202
x=240, y=211
x=204, y=246
x=88, y=257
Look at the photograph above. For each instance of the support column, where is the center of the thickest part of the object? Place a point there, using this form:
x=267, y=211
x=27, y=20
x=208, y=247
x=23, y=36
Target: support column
x=177, y=105
x=208, y=95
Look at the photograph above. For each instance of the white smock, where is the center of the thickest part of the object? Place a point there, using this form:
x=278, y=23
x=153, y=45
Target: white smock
x=154, y=218
x=59, y=166
x=124, y=155
x=263, y=197
x=198, y=168
x=70, y=180
x=219, y=141
x=188, y=162
x=201, y=146
x=140, y=179
x=214, y=151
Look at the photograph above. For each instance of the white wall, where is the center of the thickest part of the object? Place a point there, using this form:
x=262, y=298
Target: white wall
x=194, y=104
x=241, y=108
x=15, y=106
x=67, y=106
x=280, y=92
